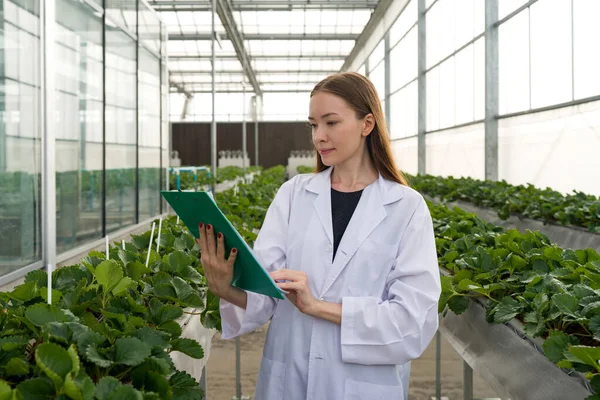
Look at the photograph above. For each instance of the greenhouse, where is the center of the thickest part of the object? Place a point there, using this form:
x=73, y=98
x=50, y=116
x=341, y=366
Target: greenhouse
x=300, y=199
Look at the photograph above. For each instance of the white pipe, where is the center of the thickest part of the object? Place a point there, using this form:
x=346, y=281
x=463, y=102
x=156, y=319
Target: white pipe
x=150, y=244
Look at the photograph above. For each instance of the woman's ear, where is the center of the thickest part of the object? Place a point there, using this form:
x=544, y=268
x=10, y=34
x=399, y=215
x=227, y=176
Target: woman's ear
x=368, y=124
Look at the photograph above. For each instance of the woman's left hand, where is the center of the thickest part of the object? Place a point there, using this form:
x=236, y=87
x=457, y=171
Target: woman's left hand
x=299, y=292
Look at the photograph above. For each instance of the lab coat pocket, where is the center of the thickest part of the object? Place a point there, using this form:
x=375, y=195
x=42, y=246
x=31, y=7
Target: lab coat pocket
x=270, y=381
x=355, y=390
x=373, y=262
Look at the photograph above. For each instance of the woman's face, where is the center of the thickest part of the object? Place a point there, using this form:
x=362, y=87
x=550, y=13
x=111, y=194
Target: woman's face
x=337, y=133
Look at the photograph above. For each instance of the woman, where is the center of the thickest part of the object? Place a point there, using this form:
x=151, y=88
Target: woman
x=354, y=248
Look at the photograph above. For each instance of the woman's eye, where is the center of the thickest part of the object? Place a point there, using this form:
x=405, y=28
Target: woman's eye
x=332, y=123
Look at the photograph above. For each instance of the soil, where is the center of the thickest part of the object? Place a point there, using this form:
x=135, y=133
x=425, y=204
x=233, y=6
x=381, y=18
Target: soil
x=221, y=379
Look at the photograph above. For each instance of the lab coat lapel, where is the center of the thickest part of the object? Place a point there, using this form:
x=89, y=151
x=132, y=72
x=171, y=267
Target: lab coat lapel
x=321, y=185
x=368, y=215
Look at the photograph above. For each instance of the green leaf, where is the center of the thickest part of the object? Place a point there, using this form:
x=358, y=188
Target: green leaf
x=187, y=295
x=125, y=393
x=17, y=367
x=10, y=343
x=506, y=310
x=54, y=361
x=95, y=355
x=56, y=295
x=136, y=270
x=108, y=275
x=211, y=320
x=41, y=314
x=557, y=344
x=152, y=337
x=185, y=387
x=172, y=327
x=595, y=323
x=587, y=355
x=127, y=256
x=595, y=383
x=458, y=304
x=190, y=274
x=553, y=253
x=36, y=389
x=179, y=260
x=168, y=313
x=566, y=303
x=25, y=292
x=124, y=284
x=106, y=386
x=184, y=242
x=79, y=388
x=6, y=392
x=141, y=242
x=131, y=351
x=38, y=276
x=189, y=347
x=158, y=384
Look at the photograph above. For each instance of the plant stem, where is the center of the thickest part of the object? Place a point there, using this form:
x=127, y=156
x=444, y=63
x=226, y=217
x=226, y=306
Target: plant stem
x=192, y=313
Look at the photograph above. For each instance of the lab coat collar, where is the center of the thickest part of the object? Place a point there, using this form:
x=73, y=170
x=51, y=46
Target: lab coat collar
x=369, y=213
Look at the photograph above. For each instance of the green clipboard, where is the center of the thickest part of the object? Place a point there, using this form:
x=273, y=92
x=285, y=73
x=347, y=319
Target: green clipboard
x=195, y=207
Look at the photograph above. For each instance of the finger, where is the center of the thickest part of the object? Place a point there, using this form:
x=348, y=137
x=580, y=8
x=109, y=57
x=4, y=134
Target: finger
x=210, y=240
x=220, y=247
x=232, y=257
x=288, y=275
x=295, y=286
x=202, y=237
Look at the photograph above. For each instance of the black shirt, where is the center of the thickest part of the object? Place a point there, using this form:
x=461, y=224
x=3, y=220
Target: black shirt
x=343, y=205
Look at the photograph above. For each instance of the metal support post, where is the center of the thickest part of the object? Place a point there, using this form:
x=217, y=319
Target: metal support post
x=422, y=88
x=203, y=382
x=438, y=365
x=467, y=381
x=47, y=99
x=213, y=127
x=244, y=144
x=491, y=90
x=238, y=369
x=256, y=130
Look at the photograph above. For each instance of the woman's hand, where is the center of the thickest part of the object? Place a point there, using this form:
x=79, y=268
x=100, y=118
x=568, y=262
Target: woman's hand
x=217, y=270
x=299, y=292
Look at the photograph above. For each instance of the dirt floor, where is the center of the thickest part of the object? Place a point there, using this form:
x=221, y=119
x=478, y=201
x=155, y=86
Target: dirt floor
x=221, y=371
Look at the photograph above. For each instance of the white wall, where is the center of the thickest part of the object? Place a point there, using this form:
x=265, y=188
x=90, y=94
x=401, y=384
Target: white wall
x=456, y=152
x=406, y=153
x=558, y=149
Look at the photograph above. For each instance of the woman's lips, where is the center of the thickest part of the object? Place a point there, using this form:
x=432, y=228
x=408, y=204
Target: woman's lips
x=324, y=152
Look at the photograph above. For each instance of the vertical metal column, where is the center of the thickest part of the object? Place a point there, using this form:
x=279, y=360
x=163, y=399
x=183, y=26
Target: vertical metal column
x=367, y=67
x=438, y=365
x=47, y=113
x=244, y=140
x=491, y=90
x=422, y=87
x=256, y=129
x=137, y=113
x=238, y=370
x=386, y=60
x=213, y=126
x=467, y=381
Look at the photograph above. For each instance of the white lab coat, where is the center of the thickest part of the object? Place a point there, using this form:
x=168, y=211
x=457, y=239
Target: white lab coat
x=385, y=275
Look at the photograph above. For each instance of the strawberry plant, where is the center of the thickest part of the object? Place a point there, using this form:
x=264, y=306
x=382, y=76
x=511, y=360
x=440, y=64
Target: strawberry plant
x=553, y=292
x=525, y=201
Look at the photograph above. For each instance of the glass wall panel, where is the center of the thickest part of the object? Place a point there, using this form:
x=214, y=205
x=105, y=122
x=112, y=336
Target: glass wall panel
x=586, y=32
x=551, y=61
x=377, y=76
x=20, y=145
x=404, y=112
x=513, y=68
x=121, y=130
x=403, y=61
x=78, y=125
x=149, y=134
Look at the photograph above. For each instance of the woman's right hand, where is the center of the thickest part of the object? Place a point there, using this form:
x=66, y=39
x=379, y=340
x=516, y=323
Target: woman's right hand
x=217, y=270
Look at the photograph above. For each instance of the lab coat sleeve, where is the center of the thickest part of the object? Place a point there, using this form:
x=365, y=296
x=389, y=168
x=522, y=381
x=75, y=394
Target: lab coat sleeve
x=399, y=328
x=270, y=250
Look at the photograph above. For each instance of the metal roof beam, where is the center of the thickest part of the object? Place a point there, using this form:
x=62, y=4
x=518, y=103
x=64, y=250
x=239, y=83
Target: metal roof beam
x=267, y=36
x=263, y=57
x=382, y=19
x=180, y=89
x=237, y=71
x=226, y=15
x=269, y=5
